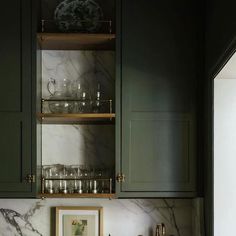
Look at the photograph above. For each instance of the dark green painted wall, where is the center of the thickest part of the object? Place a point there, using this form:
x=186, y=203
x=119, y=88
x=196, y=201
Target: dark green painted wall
x=220, y=33
x=220, y=45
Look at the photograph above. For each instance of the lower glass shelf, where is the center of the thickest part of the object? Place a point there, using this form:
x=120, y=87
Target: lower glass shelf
x=74, y=195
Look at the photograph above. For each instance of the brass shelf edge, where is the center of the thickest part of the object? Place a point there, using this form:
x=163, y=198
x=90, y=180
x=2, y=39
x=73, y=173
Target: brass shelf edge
x=76, y=41
x=87, y=195
x=77, y=115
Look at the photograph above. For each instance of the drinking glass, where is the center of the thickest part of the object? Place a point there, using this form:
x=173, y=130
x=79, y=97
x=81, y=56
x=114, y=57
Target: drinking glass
x=81, y=93
x=98, y=174
x=83, y=104
x=96, y=103
x=71, y=176
x=49, y=173
x=78, y=187
x=86, y=172
x=63, y=174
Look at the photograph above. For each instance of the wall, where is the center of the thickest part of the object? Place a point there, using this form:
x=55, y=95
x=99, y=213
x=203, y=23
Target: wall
x=224, y=155
x=121, y=217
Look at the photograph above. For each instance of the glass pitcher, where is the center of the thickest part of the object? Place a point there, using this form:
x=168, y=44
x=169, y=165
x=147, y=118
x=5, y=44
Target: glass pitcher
x=59, y=89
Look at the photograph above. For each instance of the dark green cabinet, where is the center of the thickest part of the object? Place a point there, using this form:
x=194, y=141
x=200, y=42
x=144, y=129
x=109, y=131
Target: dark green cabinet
x=157, y=84
x=16, y=99
x=156, y=99
x=220, y=34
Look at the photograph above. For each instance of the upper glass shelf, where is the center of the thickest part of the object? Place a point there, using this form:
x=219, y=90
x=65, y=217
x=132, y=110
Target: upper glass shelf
x=76, y=41
x=86, y=118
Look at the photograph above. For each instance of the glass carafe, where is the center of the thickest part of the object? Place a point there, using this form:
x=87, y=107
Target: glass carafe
x=60, y=90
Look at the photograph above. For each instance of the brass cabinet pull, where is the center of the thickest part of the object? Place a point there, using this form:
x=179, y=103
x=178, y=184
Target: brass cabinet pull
x=30, y=178
x=120, y=178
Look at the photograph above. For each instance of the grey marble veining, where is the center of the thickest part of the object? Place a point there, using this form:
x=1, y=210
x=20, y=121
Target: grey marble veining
x=79, y=144
x=89, y=67
x=15, y=223
x=121, y=217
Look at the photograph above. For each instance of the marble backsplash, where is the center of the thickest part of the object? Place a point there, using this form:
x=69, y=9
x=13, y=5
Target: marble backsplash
x=79, y=144
x=87, y=67
x=27, y=217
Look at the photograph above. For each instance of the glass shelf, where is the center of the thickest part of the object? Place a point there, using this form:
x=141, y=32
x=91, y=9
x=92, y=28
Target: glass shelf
x=76, y=41
x=76, y=195
x=96, y=118
x=68, y=116
x=76, y=106
x=107, y=188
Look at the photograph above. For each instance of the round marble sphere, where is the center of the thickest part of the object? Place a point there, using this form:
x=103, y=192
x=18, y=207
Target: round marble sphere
x=78, y=16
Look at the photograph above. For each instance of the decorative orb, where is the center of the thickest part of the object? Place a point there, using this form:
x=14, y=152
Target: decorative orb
x=78, y=16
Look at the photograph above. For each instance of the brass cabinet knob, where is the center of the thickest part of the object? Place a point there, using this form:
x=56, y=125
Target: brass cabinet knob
x=30, y=178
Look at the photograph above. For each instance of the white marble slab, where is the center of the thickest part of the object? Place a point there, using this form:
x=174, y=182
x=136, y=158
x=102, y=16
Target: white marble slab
x=88, y=67
x=121, y=217
x=79, y=144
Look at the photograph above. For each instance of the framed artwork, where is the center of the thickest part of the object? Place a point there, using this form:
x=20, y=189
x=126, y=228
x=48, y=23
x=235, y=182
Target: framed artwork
x=79, y=221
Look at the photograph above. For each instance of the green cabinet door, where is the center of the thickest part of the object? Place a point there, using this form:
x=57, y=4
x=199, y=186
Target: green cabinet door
x=15, y=99
x=156, y=88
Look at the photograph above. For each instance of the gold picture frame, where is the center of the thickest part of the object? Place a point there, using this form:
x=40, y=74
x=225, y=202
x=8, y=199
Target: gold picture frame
x=79, y=221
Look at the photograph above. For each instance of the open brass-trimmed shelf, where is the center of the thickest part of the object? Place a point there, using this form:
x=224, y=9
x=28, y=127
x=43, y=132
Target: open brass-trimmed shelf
x=77, y=195
x=53, y=118
x=76, y=41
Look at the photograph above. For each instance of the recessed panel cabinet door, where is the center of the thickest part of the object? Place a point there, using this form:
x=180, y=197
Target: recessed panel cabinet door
x=15, y=99
x=157, y=81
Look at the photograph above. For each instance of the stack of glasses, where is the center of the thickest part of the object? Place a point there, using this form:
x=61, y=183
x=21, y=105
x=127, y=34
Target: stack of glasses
x=75, y=179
